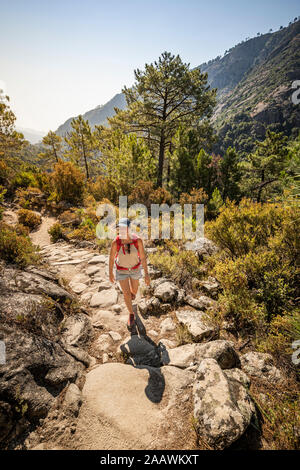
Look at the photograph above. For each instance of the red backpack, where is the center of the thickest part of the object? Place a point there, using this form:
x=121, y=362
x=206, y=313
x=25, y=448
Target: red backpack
x=134, y=242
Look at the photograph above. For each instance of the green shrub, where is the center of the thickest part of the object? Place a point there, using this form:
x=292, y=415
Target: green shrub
x=29, y=219
x=30, y=198
x=259, y=269
x=16, y=248
x=178, y=264
x=84, y=232
x=56, y=232
x=242, y=228
x=68, y=182
x=24, y=179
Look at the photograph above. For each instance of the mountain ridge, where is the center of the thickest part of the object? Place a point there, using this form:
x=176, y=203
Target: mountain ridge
x=270, y=60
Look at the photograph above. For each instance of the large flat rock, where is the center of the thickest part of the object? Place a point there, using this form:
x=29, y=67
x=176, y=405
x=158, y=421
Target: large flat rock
x=127, y=407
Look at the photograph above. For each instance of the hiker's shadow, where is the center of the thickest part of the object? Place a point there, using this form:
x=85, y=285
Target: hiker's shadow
x=142, y=357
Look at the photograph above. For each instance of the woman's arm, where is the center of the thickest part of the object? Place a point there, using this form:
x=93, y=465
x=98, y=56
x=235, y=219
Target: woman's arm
x=144, y=260
x=112, y=254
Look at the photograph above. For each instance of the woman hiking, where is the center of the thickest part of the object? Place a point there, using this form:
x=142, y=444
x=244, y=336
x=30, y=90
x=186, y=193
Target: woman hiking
x=128, y=254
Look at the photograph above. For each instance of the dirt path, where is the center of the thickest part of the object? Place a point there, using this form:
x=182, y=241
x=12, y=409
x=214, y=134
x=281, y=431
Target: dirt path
x=41, y=236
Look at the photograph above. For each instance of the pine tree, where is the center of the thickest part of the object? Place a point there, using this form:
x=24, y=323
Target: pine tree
x=165, y=95
x=53, y=143
x=264, y=166
x=81, y=143
x=230, y=174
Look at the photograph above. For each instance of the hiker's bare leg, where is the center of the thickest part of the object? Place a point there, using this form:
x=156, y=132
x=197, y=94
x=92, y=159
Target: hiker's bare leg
x=127, y=294
x=134, y=285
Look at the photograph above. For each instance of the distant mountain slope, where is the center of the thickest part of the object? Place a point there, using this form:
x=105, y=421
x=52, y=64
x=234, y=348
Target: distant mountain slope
x=98, y=115
x=254, y=82
x=31, y=135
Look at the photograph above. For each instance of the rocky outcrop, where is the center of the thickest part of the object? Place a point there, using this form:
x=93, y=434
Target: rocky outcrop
x=197, y=324
x=202, y=247
x=261, y=365
x=192, y=354
x=43, y=346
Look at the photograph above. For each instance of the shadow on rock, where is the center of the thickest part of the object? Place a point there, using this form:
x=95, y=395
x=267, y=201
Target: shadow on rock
x=143, y=353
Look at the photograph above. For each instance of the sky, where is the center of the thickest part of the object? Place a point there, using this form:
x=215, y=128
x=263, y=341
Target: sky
x=61, y=58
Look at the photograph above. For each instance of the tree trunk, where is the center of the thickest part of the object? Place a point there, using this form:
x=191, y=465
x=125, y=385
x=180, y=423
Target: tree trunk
x=261, y=187
x=55, y=154
x=85, y=160
x=161, y=159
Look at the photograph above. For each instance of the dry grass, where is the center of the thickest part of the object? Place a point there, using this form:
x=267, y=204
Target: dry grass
x=183, y=336
x=278, y=408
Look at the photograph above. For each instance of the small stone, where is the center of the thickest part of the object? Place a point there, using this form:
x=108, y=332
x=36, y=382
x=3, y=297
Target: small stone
x=117, y=308
x=92, y=270
x=167, y=325
x=115, y=336
x=79, y=288
x=105, y=358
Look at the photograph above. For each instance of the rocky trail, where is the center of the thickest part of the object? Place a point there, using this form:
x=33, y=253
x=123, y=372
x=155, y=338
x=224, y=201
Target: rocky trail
x=107, y=388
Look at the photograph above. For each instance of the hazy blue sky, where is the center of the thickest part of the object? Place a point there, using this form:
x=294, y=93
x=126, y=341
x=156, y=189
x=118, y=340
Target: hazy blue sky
x=60, y=58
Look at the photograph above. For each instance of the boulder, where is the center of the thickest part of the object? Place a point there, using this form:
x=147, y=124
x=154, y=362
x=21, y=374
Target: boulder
x=103, y=343
x=238, y=375
x=17, y=280
x=261, y=365
x=80, y=278
x=79, y=288
x=109, y=320
x=166, y=291
x=222, y=351
x=150, y=306
x=210, y=286
x=77, y=330
x=222, y=407
x=192, y=354
x=197, y=324
x=36, y=370
x=202, y=247
x=182, y=356
x=91, y=270
x=6, y=420
x=167, y=325
x=115, y=336
x=201, y=303
x=125, y=407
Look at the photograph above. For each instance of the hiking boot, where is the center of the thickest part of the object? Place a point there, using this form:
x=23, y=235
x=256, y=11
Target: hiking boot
x=131, y=321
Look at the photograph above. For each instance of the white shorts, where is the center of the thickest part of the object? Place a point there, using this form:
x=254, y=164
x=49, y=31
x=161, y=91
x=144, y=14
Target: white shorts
x=121, y=274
